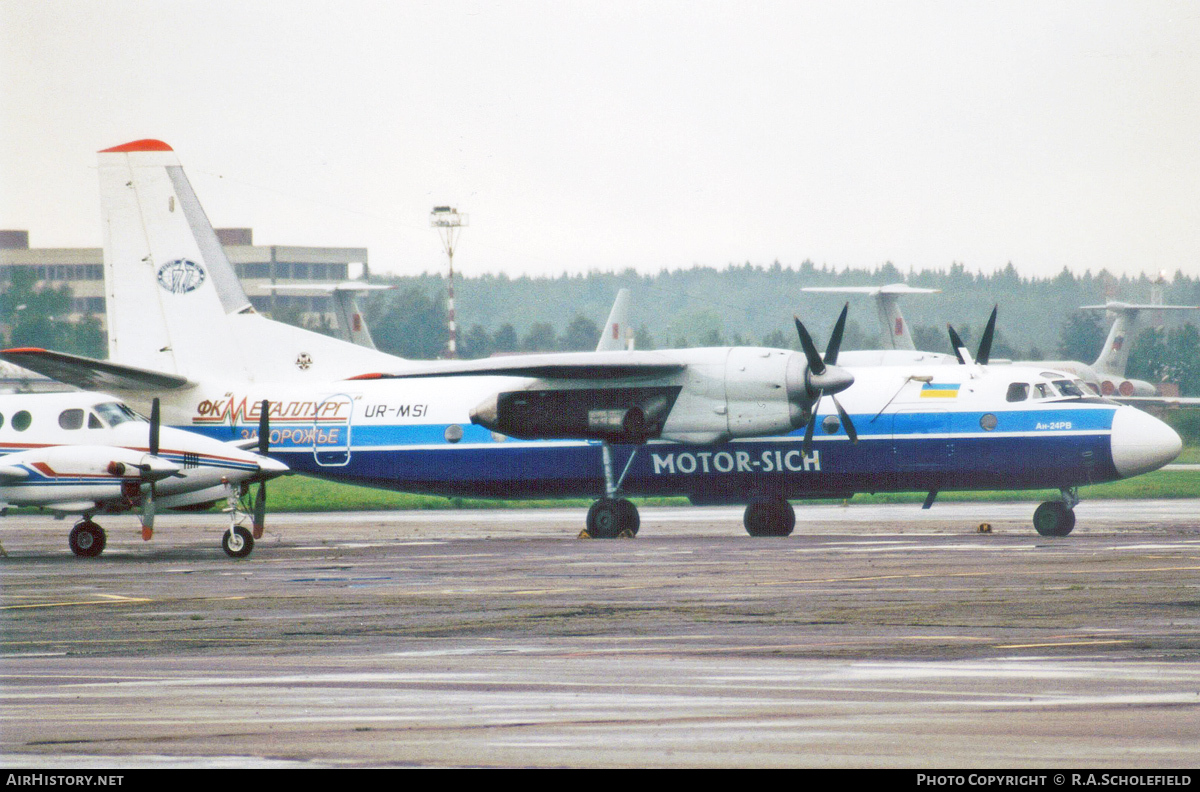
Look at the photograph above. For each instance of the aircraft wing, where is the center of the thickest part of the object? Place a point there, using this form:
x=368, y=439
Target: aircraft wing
x=90, y=374
x=563, y=365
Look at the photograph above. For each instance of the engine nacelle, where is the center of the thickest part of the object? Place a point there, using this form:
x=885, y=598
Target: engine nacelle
x=619, y=415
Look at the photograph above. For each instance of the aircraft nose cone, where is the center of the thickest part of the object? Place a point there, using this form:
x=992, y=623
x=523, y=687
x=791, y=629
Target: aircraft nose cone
x=1141, y=442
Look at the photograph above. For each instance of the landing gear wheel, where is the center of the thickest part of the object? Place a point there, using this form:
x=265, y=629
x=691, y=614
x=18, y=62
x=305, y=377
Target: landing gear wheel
x=608, y=518
x=237, y=542
x=87, y=540
x=769, y=517
x=1054, y=518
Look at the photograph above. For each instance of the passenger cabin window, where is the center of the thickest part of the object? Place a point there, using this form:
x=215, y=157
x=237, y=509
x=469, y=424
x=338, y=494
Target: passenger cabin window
x=1, y=420
x=71, y=419
x=21, y=420
x=116, y=413
x=1018, y=391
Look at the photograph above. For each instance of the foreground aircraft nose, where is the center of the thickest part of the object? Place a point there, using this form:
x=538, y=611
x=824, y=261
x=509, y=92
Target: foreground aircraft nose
x=1141, y=442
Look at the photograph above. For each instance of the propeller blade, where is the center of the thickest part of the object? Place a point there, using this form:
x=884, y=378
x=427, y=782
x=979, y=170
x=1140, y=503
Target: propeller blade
x=956, y=344
x=155, y=422
x=846, y=422
x=985, y=345
x=812, y=422
x=264, y=429
x=815, y=364
x=835, y=340
x=148, y=511
x=260, y=510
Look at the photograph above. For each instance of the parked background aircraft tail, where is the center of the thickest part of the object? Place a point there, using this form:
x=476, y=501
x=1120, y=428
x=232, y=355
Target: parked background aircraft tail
x=174, y=301
x=617, y=334
x=1114, y=356
x=894, y=333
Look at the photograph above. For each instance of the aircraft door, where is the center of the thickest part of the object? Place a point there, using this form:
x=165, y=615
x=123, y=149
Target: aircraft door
x=331, y=429
x=922, y=440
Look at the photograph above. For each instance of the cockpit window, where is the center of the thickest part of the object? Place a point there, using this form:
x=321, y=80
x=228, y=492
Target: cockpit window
x=94, y=422
x=116, y=413
x=1043, y=390
x=1018, y=391
x=1068, y=388
x=71, y=419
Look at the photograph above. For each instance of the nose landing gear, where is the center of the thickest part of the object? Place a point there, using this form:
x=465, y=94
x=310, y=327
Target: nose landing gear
x=1057, y=518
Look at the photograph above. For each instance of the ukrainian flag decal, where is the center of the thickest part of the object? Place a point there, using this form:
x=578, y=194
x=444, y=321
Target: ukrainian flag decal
x=939, y=390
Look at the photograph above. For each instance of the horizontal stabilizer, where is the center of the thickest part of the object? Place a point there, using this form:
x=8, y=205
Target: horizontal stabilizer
x=90, y=374
x=894, y=288
x=567, y=365
x=1120, y=306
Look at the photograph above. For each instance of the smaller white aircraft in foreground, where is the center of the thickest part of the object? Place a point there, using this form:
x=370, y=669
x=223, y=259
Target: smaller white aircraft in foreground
x=88, y=453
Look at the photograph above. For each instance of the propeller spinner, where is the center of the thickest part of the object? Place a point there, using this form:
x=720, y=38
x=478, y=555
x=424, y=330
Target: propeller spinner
x=821, y=377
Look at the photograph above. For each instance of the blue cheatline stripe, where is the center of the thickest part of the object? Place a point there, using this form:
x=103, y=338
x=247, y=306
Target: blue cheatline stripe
x=889, y=425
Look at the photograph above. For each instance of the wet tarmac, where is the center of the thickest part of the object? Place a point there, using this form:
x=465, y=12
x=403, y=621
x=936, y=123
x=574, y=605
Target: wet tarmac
x=875, y=636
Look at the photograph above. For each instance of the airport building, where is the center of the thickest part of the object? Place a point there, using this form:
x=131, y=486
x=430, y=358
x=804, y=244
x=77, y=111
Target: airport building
x=258, y=267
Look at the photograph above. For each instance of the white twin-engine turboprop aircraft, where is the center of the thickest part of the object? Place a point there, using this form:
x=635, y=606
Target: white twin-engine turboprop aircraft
x=747, y=425
x=88, y=454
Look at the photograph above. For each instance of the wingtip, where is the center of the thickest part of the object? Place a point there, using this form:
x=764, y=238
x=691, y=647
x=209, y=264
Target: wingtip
x=149, y=144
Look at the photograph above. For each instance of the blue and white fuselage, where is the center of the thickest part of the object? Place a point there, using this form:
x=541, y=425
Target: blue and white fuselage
x=944, y=428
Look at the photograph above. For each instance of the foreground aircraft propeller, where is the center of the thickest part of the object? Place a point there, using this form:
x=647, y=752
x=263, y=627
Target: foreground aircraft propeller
x=824, y=377
x=152, y=470
x=264, y=445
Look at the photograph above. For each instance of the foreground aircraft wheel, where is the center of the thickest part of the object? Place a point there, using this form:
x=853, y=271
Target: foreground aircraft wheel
x=1054, y=518
x=608, y=518
x=237, y=542
x=87, y=539
x=769, y=517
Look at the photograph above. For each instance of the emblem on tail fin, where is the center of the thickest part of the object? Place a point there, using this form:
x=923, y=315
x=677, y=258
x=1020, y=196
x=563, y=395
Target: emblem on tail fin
x=180, y=276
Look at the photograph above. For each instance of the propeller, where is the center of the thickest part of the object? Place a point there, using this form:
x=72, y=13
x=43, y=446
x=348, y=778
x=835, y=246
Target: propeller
x=148, y=508
x=264, y=445
x=985, y=344
x=822, y=377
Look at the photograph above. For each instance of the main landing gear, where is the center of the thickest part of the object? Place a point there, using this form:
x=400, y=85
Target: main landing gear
x=613, y=515
x=769, y=517
x=87, y=540
x=1057, y=518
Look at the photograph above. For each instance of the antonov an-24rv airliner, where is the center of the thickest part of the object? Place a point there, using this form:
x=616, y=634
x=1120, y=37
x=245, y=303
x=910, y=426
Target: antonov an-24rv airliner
x=730, y=424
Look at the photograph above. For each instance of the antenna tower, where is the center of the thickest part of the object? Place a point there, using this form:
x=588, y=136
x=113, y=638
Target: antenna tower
x=449, y=225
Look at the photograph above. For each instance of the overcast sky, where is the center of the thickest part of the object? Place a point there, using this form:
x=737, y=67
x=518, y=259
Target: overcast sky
x=647, y=134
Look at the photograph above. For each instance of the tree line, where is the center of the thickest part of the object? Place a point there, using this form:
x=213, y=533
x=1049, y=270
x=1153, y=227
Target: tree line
x=706, y=306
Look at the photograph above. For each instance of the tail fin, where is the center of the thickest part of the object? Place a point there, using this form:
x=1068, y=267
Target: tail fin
x=1115, y=355
x=617, y=335
x=174, y=301
x=894, y=333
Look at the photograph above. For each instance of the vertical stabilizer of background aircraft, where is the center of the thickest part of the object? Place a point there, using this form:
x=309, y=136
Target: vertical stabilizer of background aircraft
x=617, y=334
x=351, y=326
x=894, y=332
x=1114, y=357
